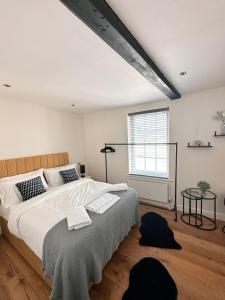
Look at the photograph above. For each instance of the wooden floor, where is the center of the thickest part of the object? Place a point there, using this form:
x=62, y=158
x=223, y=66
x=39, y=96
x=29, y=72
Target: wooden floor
x=198, y=269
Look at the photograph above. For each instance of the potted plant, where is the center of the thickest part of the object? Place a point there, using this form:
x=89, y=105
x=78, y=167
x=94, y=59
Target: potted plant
x=203, y=186
x=220, y=116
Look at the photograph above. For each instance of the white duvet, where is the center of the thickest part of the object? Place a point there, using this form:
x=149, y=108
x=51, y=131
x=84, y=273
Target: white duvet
x=32, y=219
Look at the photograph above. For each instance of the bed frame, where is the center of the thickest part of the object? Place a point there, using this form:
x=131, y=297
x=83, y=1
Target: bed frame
x=11, y=167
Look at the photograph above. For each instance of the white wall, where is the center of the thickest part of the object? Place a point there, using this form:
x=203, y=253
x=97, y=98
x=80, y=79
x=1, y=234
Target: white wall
x=190, y=119
x=29, y=129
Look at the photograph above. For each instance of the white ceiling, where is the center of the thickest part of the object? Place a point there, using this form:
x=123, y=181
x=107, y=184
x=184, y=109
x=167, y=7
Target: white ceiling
x=50, y=57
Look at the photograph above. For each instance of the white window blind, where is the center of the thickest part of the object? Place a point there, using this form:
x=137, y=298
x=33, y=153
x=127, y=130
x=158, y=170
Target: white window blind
x=149, y=127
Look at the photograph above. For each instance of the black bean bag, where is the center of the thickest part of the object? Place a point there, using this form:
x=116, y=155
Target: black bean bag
x=150, y=280
x=155, y=232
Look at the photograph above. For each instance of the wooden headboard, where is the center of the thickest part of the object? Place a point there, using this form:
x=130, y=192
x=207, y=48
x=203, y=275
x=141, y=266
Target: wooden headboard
x=11, y=167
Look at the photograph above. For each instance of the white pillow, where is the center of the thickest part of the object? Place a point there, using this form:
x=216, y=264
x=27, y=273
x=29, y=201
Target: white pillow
x=9, y=193
x=53, y=176
x=26, y=176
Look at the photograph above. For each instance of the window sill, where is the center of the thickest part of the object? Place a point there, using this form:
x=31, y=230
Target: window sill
x=149, y=178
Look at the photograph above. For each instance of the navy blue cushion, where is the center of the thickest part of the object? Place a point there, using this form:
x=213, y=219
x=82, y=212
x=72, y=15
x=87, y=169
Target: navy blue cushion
x=69, y=175
x=31, y=188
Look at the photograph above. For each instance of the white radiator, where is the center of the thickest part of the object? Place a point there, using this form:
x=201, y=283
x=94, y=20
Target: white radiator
x=152, y=190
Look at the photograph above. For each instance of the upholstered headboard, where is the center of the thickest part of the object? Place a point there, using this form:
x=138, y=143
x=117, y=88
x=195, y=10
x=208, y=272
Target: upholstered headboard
x=11, y=167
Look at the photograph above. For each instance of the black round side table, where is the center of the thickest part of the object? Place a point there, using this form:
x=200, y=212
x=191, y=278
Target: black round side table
x=194, y=216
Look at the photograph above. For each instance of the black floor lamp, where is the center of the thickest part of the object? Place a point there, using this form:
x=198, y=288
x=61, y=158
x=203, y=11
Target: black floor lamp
x=109, y=149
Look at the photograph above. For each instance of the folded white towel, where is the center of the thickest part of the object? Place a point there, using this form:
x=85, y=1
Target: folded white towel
x=77, y=217
x=118, y=187
x=107, y=206
x=103, y=203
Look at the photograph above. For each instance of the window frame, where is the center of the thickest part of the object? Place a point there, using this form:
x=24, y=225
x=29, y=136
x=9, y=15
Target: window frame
x=168, y=139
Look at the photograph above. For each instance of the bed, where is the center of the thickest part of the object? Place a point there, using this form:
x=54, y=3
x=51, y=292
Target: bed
x=71, y=260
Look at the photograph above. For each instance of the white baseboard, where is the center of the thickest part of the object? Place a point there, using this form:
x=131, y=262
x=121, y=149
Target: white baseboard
x=169, y=206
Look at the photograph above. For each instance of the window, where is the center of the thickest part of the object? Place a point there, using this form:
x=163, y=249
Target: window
x=149, y=127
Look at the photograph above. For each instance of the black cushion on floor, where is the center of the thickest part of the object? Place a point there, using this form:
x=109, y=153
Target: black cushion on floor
x=150, y=280
x=155, y=232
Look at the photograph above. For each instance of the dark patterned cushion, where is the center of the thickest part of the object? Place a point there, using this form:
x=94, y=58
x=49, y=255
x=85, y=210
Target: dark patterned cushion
x=69, y=175
x=31, y=188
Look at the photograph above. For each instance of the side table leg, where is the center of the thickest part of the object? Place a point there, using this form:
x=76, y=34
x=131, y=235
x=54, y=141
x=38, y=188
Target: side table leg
x=215, y=211
x=196, y=212
x=189, y=210
x=223, y=229
x=183, y=204
x=201, y=211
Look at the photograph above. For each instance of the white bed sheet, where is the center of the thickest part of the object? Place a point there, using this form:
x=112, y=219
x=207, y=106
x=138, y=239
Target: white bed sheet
x=32, y=219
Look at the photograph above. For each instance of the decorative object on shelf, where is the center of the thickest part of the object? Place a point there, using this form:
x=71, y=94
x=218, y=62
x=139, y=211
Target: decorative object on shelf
x=82, y=170
x=216, y=134
x=220, y=116
x=107, y=149
x=199, y=145
x=203, y=186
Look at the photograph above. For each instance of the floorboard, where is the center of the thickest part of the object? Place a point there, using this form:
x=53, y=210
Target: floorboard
x=198, y=269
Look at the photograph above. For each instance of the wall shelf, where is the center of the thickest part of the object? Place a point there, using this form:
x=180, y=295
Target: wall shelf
x=216, y=134
x=199, y=146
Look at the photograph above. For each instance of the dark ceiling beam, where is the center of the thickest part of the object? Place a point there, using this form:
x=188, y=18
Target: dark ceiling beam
x=99, y=16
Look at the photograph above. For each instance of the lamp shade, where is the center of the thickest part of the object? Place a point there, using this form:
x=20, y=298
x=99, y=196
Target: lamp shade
x=107, y=150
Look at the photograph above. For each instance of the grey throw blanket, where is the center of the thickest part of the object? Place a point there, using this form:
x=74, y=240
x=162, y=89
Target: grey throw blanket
x=74, y=259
